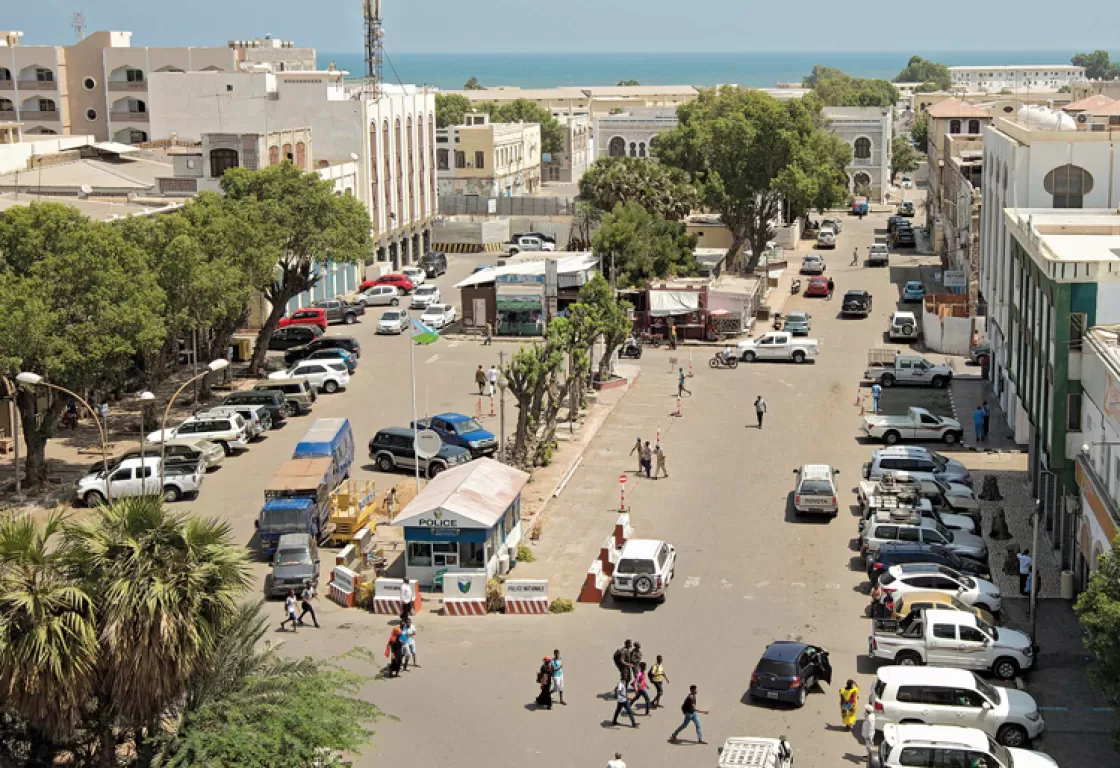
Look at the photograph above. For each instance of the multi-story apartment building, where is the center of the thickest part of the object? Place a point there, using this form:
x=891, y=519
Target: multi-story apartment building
x=392, y=138
x=956, y=232
x=632, y=133
x=488, y=159
x=1048, y=77
x=569, y=164
x=276, y=55
x=868, y=131
x=595, y=100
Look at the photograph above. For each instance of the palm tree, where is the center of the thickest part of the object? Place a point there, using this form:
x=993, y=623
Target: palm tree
x=48, y=638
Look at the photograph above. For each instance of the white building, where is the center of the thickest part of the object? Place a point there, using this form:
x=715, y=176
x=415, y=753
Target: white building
x=569, y=165
x=1046, y=77
x=392, y=138
x=632, y=133
x=868, y=131
x=1098, y=468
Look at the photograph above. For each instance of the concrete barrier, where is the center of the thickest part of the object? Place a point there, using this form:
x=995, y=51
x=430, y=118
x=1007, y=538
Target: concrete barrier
x=595, y=584
x=622, y=530
x=463, y=606
x=608, y=556
x=464, y=593
x=526, y=596
x=344, y=586
x=387, y=596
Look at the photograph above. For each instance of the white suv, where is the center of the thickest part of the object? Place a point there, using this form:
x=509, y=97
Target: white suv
x=226, y=429
x=320, y=374
x=424, y=296
x=946, y=696
x=948, y=746
x=903, y=579
x=644, y=569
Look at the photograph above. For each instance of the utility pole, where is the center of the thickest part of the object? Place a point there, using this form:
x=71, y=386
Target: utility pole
x=1034, y=569
x=502, y=383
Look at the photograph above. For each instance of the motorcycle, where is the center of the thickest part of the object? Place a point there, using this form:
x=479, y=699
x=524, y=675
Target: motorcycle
x=719, y=361
x=68, y=420
x=795, y=287
x=651, y=339
x=631, y=350
x=777, y=323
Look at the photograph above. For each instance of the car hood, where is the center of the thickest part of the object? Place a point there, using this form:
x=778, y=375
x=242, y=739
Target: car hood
x=293, y=572
x=971, y=541
x=478, y=434
x=1014, y=639
x=985, y=587
x=1018, y=702
x=1028, y=758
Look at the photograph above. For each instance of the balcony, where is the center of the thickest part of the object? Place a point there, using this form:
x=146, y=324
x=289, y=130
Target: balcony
x=49, y=116
x=38, y=85
x=7, y=114
x=128, y=117
x=1095, y=490
x=7, y=85
x=128, y=85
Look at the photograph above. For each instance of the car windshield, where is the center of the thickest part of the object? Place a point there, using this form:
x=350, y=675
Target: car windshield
x=913, y=285
x=816, y=486
x=943, y=531
x=941, y=462
x=291, y=557
x=391, y=316
x=796, y=317
x=986, y=689
x=424, y=290
x=467, y=426
x=635, y=565
x=777, y=668
x=1000, y=752
x=280, y=518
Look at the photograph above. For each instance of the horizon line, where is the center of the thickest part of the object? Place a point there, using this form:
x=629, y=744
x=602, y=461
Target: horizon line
x=912, y=52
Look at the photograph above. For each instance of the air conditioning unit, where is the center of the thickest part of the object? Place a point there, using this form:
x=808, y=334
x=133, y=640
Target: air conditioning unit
x=1083, y=118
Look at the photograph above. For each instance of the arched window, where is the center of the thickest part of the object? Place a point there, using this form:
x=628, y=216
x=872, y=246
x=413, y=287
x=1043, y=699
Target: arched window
x=1068, y=184
x=642, y=149
x=974, y=127
x=6, y=105
x=423, y=164
x=411, y=178
x=373, y=172
x=398, y=150
x=633, y=149
x=274, y=155
x=221, y=160
x=954, y=126
x=863, y=147
x=861, y=183
x=388, y=173
x=301, y=155
x=5, y=74
x=617, y=147
x=287, y=152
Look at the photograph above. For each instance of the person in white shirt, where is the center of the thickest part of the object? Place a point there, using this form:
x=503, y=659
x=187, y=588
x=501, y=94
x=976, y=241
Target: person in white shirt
x=1025, y=561
x=290, y=609
x=492, y=376
x=868, y=730
x=617, y=762
x=406, y=599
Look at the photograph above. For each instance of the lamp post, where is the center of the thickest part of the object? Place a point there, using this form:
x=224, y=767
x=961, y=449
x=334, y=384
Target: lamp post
x=145, y=398
x=35, y=380
x=212, y=367
x=502, y=383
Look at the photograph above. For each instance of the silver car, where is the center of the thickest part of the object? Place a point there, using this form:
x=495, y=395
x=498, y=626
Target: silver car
x=798, y=323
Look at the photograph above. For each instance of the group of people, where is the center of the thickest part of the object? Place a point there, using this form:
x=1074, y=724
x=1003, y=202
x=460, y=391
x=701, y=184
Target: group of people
x=636, y=677
x=401, y=648
x=980, y=418
x=646, y=455
x=306, y=595
x=486, y=379
x=550, y=678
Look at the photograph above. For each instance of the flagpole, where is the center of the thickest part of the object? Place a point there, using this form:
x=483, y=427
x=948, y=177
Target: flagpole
x=412, y=364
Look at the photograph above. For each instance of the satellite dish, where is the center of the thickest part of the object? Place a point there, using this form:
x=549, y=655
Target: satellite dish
x=427, y=443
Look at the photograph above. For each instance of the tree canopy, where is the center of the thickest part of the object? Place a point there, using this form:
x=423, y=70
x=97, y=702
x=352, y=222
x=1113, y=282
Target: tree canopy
x=1098, y=609
x=451, y=109
x=919, y=70
x=835, y=88
x=659, y=188
x=472, y=84
x=1098, y=65
x=748, y=153
x=904, y=158
x=919, y=132
x=637, y=246
x=628, y=82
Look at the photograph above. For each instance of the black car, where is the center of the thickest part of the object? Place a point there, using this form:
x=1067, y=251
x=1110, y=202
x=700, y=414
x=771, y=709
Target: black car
x=271, y=399
x=787, y=670
x=434, y=263
x=894, y=222
x=856, y=303
x=904, y=238
x=349, y=343
x=393, y=448
x=293, y=336
x=896, y=553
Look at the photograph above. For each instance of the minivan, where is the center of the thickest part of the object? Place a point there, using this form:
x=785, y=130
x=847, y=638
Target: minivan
x=299, y=395
x=920, y=464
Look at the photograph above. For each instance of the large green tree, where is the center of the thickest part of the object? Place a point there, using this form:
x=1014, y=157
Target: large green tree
x=1098, y=65
x=660, y=189
x=472, y=84
x=904, y=158
x=835, y=88
x=80, y=306
x=919, y=132
x=306, y=223
x=919, y=70
x=451, y=109
x=748, y=152
x=637, y=246
x=611, y=316
x=1098, y=609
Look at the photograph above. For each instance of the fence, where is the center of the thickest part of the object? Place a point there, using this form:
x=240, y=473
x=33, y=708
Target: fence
x=477, y=205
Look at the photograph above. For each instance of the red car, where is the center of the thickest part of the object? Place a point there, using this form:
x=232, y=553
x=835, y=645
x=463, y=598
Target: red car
x=818, y=286
x=403, y=283
x=307, y=316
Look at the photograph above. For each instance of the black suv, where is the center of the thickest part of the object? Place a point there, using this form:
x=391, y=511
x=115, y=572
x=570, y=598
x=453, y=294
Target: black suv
x=896, y=221
x=904, y=237
x=293, y=336
x=856, y=303
x=392, y=448
x=434, y=263
x=271, y=399
x=896, y=553
x=349, y=343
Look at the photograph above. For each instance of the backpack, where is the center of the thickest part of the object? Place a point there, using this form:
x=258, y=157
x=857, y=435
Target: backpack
x=686, y=706
x=618, y=658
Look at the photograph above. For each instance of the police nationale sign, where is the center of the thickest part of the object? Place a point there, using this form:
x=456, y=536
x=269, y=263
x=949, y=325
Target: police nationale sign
x=527, y=588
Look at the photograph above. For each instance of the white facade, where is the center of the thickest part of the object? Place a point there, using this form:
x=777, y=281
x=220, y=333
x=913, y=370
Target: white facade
x=632, y=133
x=1098, y=469
x=392, y=138
x=569, y=165
x=868, y=131
x=1016, y=78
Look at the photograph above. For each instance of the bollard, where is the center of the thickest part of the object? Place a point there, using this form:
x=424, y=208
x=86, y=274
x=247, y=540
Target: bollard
x=492, y=405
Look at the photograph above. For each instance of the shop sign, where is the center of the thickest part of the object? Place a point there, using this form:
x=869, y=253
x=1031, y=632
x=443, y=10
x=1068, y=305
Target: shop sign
x=527, y=588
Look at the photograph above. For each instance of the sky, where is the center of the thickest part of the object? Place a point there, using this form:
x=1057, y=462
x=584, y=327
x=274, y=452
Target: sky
x=583, y=25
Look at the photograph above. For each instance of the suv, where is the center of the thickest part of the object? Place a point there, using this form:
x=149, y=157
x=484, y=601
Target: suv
x=434, y=263
x=392, y=448
x=920, y=530
x=256, y=417
x=856, y=303
x=950, y=746
x=272, y=401
x=901, y=580
x=906, y=208
x=226, y=429
x=316, y=316
x=293, y=336
x=919, y=463
x=945, y=696
x=878, y=253
x=904, y=325
x=645, y=568
x=295, y=563
x=321, y=374
x=812, y=264
x=904, y=237
x=899, y=552
x=815, y=490
x=349, y=343
x=298, y=395
x=339, y=311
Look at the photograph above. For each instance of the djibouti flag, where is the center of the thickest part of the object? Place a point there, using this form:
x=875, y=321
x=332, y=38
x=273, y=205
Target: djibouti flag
x=422, y=334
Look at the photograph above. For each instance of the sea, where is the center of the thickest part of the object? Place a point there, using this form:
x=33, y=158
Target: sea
x=448, y=71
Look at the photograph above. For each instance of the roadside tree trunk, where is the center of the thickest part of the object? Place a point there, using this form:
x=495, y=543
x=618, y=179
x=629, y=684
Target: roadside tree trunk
x=36, y=435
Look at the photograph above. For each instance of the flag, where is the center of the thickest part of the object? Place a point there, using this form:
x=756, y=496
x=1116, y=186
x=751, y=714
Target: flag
x=422, y=334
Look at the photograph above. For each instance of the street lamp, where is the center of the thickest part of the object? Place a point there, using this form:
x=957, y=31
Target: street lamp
x=502, y=382
x=35, y=380
x=145, y=398
x=212, y=367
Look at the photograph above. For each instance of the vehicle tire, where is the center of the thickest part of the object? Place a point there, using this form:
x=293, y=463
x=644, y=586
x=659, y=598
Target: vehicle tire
x=908, y=659
x=890, y=438
x=939, y=382
x=171, y=494
x=226, y=447
x=349, y=319
x=951, y=438
x=434, y=468
x=748, y=356
x=94, y=499
x=801, y=696
x=394, y=302
x=330, y=386
x=887, y=380
x=643, y=585
x=290, y=408
x=733, y=363
x=982, y=360
x=713, y=363
x=1005, y=668
x=384, y=463
x=907, y=329
x=798, y=356
x=983, y=607
x=1013, y=736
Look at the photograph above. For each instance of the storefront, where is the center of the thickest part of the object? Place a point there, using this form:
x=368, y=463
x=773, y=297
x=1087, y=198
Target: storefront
x=467, y=518
x=520, y=304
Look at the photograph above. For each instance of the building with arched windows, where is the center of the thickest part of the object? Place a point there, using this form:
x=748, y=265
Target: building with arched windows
x=867, y=130
x=632, y=133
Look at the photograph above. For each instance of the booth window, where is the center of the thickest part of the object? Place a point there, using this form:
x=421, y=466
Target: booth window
x=420, y=554
x=472, y=554
x=445, y=553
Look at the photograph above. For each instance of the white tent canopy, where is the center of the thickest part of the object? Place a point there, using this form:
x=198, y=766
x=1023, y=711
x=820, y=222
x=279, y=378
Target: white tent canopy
x=665, y=303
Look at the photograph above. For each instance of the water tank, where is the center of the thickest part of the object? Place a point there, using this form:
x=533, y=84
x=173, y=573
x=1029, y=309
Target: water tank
x=1046, y=119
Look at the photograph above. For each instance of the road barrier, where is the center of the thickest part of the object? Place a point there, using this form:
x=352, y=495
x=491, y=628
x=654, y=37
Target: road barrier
x=527, y=596
x=622, y=530
x=344, y=586
x=595, y=584
x=464, y=593
x=387, y=596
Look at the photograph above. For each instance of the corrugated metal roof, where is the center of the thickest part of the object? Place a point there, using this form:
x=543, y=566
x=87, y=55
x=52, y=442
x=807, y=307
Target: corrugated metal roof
x=480, y=491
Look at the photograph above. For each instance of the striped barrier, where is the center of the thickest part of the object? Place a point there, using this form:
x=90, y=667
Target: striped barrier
x=526, y=596
x=608, y=555
x=468, y=247
x=387, y=596
x=344, y=586
x=464, y=593
x=622, y=530
x=464, y=606
x=595, y=584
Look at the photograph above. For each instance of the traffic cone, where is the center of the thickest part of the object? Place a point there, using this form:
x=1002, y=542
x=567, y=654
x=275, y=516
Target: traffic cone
x=678, y=413
x=690, y=365
x=478, y=408
x=491, y=405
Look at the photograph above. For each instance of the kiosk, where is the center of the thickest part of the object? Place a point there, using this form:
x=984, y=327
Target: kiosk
x=467, y=518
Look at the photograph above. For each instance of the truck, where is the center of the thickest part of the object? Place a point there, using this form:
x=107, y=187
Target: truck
x=889, y=367
x=339, y=311
x=755, y=752
x=859, y=206
x=139, y=477
x=878, y=253
x=329, y=438
x=778, y=345
x=297, y=500
x=525, y=243
x=295, y=563
x=917, y=424
x=461, y=430
x=952, y=639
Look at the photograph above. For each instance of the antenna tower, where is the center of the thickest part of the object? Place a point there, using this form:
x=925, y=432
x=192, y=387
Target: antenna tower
x=371, y=10
x=78, y=22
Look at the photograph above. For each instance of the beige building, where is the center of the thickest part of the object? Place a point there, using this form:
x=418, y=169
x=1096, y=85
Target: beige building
x=489, y=159
x=955, y=118
x=569, y=165
x=597, y=100
x=276, y=55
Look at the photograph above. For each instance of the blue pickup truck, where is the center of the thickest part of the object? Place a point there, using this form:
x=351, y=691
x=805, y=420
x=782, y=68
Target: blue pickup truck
x=463, y=431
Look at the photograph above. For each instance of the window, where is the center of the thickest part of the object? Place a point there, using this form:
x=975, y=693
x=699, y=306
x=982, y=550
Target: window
x=301, y=155
x=910, y=694
x=1073, y=412
x=472, y=554
x=445, y=554
x=916, y=756
x=938, y=696
x=907, y=534
x=273, y=155
x=974, y=127
x=47, y=105
x=460, y=159
x=441, y=159
x=972, y=635
x=420, y=554
x=887, y=532
x=91, y=114
x=44, y=75
x=954, y=126
x=945, y=631
x=5, y=74
x=642, y=149
x=134, y=75
x=617, y=147
x=633, y=149
x=479, y=160
x=863, y=147
x=1068, y=184
x=221, y=160
x=89, y=83
x=6, y=105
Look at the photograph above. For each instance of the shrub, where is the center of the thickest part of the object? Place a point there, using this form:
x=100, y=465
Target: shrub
x=495, y=600
x=561, y=605
x=525, y=554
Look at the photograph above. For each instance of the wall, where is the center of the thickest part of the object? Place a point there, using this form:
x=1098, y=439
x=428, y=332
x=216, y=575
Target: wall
x=17, y=157
x=948, y=335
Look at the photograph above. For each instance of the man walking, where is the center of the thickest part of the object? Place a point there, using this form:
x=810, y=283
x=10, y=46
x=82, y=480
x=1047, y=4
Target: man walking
x=1025, y=561
x=489, y=335
x=480, y=380
x=622, y=662
x=660, y=455
x=831, y=288
x=305, y=599
x=978, y=423
x=622, y=703
x=558, y=676
x=759, y=409
x=638, y=449
x=680, y=383
x=492, y=375
x=658, y=677
x=876, y=393
x=987, y=417
x=647, y=459
x=855, y=258
x=406, y=599
x=408, y=639
x=691, y=715
x=617, y=762
x=290, y=610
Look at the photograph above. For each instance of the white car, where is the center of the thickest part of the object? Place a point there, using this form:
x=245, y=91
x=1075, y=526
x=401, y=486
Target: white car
x=826, y=238
x=322, y=375
x=438, y=316
x=951, y=745
x=425, y=296
x=907, y=182
x=228, y=430
x=777, y=345
x=812, y=264
x=904, y=325
x=393, y=321
x=948, y=696
x=415, y=274
x=815, y=490
x=379, y=296
x=900, y=580
x=645, y=568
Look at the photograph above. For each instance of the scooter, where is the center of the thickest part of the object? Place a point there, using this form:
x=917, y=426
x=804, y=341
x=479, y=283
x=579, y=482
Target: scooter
x=795, y=287
x=719, y=361
x=777, y=323
x=631, y=350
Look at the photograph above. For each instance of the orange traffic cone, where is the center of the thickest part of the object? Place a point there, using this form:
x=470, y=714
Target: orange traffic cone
x=491, y=405
x=678, y=413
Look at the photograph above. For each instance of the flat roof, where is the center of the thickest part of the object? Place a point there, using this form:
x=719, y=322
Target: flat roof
x=865, y=113
x=102, y=210
x=134, y=174
x=1005, y=67
x=1069, y=246
x=566, y=263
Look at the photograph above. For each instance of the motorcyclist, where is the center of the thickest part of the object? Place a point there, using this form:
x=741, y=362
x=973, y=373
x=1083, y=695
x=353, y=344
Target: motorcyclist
x=631, y=344
x=728, y=353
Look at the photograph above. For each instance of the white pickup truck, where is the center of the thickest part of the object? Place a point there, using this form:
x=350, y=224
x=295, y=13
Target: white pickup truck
x=917, y=424
x=952, y=639
x=888, y=367
x=755, y=752
x=778, y=345
x=138, y=477
x=527, y=243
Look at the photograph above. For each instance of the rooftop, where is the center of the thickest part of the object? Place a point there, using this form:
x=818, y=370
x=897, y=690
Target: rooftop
x=1069, y=246
x=100, y=209
x=101, y=177
x=477, y=494
x=955, y=108
x=533, y=266
x=1089, y=103
x=855, y=113
x=1011, y=67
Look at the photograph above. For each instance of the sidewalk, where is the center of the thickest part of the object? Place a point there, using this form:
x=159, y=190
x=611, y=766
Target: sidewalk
x=967, y=391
